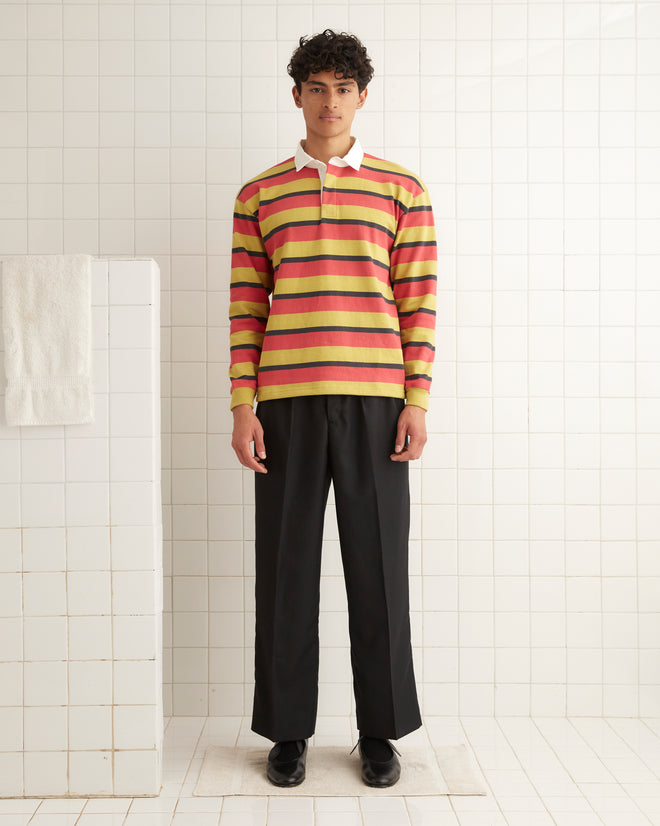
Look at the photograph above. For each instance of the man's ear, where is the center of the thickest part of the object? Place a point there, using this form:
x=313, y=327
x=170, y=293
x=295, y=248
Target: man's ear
x=362, y=99
x=296, y=97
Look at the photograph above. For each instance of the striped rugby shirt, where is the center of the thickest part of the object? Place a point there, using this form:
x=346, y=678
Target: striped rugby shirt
x=333, y=288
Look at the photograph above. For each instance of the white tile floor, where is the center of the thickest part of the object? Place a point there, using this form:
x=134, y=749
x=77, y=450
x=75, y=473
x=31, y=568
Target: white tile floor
x=540, y=771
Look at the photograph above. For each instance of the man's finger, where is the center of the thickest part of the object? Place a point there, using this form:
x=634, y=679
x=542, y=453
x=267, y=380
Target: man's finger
x=255, y=464
x=400, y=440
x=259, y=446
x=246, y=458
x=415, y=448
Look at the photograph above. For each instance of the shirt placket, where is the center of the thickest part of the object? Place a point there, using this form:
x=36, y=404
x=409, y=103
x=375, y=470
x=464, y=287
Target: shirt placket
x=329, y=196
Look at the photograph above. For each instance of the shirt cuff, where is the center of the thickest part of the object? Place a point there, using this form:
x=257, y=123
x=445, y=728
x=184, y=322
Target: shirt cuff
x=418, y=396
x=242, y=395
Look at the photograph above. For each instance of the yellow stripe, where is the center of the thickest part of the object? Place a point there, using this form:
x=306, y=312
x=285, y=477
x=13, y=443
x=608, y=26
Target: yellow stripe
x=250, y=242
x=414, y=302
x=242, y=368
x=316, y=388
x=417, y=233
x=373, y=215
x=286, y=215
x=414, y=269
x=393, y=168
x=329, y=282
x=306, y=354
x=416, y=367
x=248, y=308
x=425, y=334
x=244, y=337
x=327, y=246
x=300, y=321
x=249, y=275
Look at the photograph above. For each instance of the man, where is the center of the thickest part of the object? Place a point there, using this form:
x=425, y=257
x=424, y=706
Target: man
x=332, y=329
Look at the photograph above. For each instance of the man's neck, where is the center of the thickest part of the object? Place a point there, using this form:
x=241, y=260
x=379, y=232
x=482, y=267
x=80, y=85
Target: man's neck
x=324, y=150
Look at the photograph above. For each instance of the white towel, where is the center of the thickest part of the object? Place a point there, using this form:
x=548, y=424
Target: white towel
x=46, y=319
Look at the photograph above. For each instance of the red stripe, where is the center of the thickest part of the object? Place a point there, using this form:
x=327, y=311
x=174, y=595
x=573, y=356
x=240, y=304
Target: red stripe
x=368, y=375
x=279, y=208
x=413, y=289
x=257, y=262
x=264, y=183
x=329, y=267
x=418, y=354
x=333, y=338
x=364, y=200
x=333, y=303
x=331, y=232
x=388, y=177
x=248, y=294
x=243, y=225
x=425, y=320
x=407, y=255
x=252, y=325
x=422, y=384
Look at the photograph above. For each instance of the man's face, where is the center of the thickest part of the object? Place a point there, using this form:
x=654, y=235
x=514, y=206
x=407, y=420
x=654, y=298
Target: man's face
x=329, y=104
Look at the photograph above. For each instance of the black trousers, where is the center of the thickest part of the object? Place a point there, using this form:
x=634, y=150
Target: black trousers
x=309, y=441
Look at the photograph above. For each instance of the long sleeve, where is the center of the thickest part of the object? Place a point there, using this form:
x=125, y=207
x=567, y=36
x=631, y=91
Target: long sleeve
x=414, y=279
x=251, y=285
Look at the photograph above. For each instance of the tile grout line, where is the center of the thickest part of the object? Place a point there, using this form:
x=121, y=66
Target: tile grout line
x=553, y=749
x=522, y=765
x=606, y=722
x=473, y=753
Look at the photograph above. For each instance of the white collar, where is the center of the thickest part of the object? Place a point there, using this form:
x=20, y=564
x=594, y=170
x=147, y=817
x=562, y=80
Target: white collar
x=352, y=158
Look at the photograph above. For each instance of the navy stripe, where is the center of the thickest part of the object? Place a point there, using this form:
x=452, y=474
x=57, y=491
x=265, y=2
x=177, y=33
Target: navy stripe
x=419, y=344
x=391, y=172
x=348, y=293
x=239, y=216
x=284, y=195
x=410, y=278
x=245, y=347
x=332, y=329
x=290, y=167
x=418, y=376
x=351, y=222
x=337, y=221
x=249, y=315
x=256, y=284
x=307, y=258
x=418, y=310
x=258, y=253
x=288, y=226
x=413, y=244
x=302, y=366
x=385, y=197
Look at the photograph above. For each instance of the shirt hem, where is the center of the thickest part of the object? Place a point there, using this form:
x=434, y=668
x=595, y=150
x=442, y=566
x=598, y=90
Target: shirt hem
x=331, y=389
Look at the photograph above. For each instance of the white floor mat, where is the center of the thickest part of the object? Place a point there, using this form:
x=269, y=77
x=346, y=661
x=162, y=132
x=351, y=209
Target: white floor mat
x=331, y=772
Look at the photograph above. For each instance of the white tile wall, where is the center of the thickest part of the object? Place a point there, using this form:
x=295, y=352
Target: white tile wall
x=126, y=129
x=81, y=568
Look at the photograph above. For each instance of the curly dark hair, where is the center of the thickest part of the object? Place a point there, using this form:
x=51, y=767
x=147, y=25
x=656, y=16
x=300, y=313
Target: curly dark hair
x=327, y=51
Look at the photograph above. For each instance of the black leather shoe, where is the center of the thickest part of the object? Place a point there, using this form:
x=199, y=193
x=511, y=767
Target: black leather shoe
x=284, y=767
x=380, y=773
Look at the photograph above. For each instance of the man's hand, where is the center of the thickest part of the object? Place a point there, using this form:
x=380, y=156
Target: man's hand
x=412, y=423
x=248, y=429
